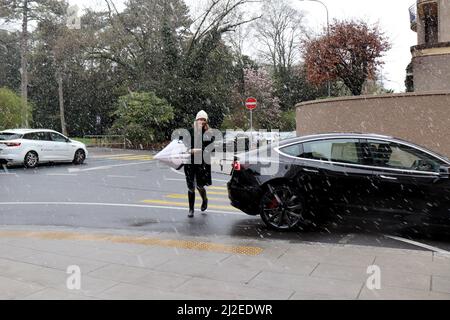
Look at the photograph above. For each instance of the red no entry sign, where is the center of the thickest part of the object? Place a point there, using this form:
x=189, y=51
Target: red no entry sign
x=251, y=103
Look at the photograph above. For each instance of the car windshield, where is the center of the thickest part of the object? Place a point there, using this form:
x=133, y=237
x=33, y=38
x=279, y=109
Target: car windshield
x=9, y=136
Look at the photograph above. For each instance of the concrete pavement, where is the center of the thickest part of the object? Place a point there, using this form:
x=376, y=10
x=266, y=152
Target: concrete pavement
x=49, y=263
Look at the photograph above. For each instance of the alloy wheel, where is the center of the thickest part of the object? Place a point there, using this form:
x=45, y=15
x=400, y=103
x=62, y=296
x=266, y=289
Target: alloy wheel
x=79, y=157
x=282, y=208
x=31, y=160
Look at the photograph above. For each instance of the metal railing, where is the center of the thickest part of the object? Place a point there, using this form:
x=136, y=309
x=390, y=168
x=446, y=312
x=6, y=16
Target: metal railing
x=106, y=141
x=413, y=17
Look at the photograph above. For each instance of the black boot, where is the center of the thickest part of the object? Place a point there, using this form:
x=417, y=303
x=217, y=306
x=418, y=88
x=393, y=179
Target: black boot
x=202, y=192
x=191, y=196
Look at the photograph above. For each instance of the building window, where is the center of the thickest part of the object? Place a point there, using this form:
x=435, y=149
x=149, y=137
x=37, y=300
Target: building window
x=431, y=23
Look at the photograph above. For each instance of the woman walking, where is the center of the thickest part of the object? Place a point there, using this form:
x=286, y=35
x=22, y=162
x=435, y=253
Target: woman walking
x=198, y=172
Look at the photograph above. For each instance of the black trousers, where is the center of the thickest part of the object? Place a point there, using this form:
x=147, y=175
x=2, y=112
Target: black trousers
x=194, y=177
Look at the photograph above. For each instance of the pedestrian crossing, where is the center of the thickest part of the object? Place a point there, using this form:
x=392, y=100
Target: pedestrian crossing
x=217, y=199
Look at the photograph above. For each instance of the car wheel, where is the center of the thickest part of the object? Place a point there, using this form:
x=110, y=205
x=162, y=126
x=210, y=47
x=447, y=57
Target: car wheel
x=79, y=157
x=282, y=208
x=31, y=159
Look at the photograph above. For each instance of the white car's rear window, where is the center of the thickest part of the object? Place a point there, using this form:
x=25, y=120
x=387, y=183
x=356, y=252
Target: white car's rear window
x=9, y=136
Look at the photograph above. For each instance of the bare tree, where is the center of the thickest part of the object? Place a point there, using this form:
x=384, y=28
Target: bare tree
x=280, y=31
x=218, y=18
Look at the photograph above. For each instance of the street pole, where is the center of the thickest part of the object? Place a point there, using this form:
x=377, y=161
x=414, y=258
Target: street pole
x=251, y=129
x=328, y=34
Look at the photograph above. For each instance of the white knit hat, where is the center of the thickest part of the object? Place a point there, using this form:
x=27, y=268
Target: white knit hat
x=201, y=114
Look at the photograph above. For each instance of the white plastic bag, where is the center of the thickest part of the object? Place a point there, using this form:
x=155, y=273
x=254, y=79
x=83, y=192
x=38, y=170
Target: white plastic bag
x=175, y=155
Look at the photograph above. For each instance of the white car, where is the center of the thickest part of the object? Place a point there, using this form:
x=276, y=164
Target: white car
x=33, y=146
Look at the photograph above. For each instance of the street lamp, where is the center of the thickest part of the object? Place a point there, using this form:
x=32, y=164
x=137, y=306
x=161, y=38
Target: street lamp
x=328, y=33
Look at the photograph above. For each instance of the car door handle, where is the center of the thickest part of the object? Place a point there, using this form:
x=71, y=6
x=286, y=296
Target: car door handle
x=388, y=178
x=311, y=170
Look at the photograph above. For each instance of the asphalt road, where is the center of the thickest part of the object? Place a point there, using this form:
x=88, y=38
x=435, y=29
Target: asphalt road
x=122, y=189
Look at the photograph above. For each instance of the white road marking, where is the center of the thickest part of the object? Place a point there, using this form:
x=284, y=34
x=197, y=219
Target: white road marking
x=111, y=205
x=418, y=244
x=62, y=174
x=108, y=167
x=184, y=180
x=124, y=177
x=6, y=172
x=177, y=172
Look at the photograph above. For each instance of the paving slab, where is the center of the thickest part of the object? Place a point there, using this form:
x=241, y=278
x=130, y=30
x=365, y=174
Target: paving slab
x=14, y=289
x=214, y=289
x=292, y=266
x=133, y=292
x=308, y=285
x=61, y=262
x=395, y=293
x=54, y=294
x=441, y=284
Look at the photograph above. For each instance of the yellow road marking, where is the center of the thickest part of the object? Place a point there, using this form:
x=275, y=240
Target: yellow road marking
x=184, y=244
x=112, y=155
x=218, y=193
x=134, y=158
x=185, y=204
x=182, y=196
x=217, y=188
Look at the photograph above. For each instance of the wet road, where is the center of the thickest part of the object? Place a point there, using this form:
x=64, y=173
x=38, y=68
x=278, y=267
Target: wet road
x=128, y=190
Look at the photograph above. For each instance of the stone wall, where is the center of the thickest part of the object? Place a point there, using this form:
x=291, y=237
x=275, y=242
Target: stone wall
x=422, y=118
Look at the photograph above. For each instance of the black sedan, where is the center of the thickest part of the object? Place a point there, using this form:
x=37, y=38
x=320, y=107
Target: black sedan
x=308, y=179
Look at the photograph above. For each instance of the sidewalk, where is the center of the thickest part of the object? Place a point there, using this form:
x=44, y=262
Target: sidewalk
x=137, y=265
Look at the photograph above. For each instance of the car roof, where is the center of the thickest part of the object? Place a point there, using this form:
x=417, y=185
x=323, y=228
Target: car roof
x=354, y=135
x=338, y=135
x=23, y=131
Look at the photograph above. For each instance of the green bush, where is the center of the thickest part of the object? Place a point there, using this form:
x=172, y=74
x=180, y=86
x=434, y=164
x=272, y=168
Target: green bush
x=10, y=109
x=288, y=122
x=142, y=117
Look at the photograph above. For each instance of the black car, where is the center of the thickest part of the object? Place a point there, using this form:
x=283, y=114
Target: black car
x=372, y=177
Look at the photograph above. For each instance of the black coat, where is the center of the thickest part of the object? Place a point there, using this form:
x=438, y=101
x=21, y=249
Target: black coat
x=200, y=172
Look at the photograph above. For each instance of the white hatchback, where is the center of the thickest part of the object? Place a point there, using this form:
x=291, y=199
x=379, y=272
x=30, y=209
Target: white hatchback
x=33, y=146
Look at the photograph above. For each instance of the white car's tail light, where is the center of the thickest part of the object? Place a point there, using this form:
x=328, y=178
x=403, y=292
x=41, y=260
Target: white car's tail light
x=12, y=144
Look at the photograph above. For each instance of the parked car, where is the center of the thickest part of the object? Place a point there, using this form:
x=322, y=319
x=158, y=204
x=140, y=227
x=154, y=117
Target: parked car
x=31, y=147
x=371, y=177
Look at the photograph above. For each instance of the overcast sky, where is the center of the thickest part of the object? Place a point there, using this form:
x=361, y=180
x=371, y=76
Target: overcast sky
x=391, y=15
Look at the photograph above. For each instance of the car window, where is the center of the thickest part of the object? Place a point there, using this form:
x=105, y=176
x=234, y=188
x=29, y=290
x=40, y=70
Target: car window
x=395, y=155
x=9, y=136
x=42, y=136
x=337, y=150
x=57, y=137
x=295, y=150
x=32, y=136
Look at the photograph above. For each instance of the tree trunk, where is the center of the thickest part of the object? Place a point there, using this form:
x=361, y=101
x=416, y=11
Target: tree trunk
x=61, y=101
x=24, y=64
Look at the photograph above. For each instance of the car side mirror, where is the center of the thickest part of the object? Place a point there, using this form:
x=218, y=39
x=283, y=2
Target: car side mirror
x=68, y=140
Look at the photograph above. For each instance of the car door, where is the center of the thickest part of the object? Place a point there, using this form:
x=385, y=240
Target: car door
x=61, y=148
x=306, y=174
x=39, y=142
x=332, y=172
x=348, y=182
x=409, y=185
